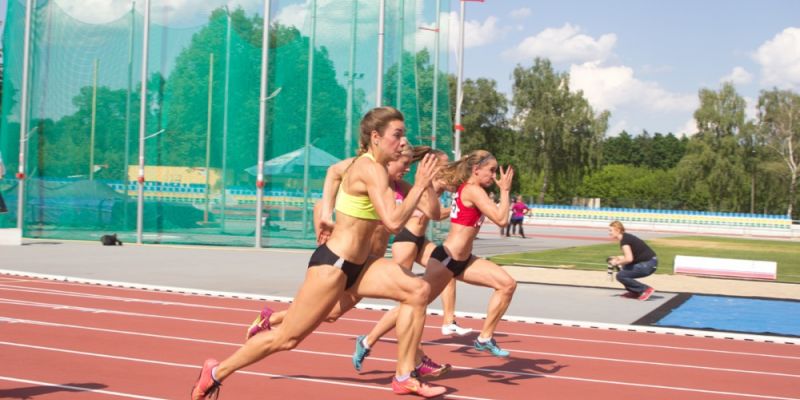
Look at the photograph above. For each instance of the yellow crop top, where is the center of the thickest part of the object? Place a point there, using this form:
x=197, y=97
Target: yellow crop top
x=355, y=206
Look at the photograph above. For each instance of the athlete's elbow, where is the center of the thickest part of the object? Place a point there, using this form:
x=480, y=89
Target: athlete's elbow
x=393, y=226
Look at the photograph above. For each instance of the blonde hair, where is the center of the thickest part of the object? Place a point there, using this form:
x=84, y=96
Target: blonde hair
x=618, y=226
x=422, y=151
x=459, y=171
x=377, y=120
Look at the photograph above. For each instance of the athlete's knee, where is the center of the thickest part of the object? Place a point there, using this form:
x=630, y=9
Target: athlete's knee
x=508, y=286
x=418, y=292
x=333, y=316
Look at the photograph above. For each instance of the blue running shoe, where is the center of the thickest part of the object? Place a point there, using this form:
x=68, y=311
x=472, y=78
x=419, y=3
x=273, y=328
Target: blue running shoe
x=360, y=354
x=491, y=346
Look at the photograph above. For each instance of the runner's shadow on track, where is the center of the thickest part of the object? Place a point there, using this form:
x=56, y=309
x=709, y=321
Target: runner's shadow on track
x=466, y=340
x=379, y=377
x=34, y=391
x=514, y=369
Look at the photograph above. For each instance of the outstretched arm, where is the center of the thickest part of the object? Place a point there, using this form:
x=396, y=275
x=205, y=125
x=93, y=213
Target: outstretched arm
x=395, y=216
x=496, y=213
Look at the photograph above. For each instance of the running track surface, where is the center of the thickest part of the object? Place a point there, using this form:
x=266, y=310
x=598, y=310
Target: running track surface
x=62, y=340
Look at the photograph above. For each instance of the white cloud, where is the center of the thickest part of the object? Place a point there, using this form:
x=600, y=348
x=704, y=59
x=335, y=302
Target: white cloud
x=476, y=33
x=688, y=129
x=175, y=13
x=292, y=15
x=608, y=88
x=565, y=44
x=780, y=59
x=738, y=75
x=751, y=107
x=520, y=13
x=617, y=128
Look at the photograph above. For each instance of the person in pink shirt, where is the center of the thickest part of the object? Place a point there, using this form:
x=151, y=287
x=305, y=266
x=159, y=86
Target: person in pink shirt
x=518, y=211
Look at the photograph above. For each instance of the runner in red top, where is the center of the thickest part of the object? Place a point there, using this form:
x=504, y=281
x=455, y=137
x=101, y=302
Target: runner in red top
x=463, y=215
x=473, y=174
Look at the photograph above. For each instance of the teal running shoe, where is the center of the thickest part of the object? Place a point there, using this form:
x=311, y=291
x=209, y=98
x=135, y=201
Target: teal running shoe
x=491, y=346
x=360, y=354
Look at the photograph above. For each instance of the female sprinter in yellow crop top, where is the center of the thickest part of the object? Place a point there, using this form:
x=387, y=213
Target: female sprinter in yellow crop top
x=395, y=169
x=403, y=254
x=341, y=264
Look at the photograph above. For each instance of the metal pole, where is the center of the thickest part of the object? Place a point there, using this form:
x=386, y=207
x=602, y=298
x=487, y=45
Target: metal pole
x=309, y=94
x=434, y=117
x=225, y=116
x=94, y=119
x=379, y=79
x=142, y=123
x=262, y=122
x=459, y=94
x=348, y=132
x=401, y=32
x=23, y=115
x=208, y=130
x=125, y=162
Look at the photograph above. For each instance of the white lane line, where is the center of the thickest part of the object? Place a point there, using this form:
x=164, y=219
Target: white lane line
x=78, y=388
x=57, y=306
x=241, y=372
x=569, y=378
x=516, y=351
x=112, y=312
x=9, y=288
x=527, y=320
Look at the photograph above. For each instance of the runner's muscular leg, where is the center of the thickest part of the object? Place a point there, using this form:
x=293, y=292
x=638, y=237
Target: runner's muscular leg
x=385, y=279
x=320, y=290
x=485, y=273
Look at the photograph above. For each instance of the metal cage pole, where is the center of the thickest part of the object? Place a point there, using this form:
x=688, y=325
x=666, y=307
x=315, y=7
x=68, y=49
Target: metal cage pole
x=459, y=87
x=459, y=93
x=126, y=156
x=351, y=76
x=93, y=128
x=23, y=116
x=262, y=123
x=142, y=124
x=434, y=117
x=401, y=32
x=309, y=97
x=225, y=101
x=209, y=117
x=379, y=78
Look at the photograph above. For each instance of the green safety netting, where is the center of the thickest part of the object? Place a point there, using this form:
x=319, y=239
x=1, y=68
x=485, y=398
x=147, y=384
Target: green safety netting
x=202, y=113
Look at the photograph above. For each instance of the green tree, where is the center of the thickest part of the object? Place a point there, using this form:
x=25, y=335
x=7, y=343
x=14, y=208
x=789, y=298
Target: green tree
x=779, y=114
x=618, y=149
x=561, y=136
x=712, y=170
x=666, y=151
x=629, y=186
x=186, y=92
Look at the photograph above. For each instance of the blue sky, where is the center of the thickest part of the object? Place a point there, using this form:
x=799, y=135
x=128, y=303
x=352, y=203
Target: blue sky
x=644, y=61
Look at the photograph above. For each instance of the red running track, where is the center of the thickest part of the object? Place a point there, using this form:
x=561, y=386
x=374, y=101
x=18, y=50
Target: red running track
x=63, y=340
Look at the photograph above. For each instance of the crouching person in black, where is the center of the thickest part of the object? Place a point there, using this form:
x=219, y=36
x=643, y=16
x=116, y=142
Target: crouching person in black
x=638, y=260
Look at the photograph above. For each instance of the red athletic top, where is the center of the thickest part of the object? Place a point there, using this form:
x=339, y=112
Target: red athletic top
x=463, y=215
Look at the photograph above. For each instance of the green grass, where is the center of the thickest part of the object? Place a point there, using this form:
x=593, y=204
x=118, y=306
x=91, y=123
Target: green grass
x=785, y=253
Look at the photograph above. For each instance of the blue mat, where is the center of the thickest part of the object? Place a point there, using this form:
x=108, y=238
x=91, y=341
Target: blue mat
x=735, y=314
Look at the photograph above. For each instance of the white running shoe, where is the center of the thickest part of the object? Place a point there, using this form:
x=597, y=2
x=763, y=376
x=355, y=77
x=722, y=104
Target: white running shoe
x=453, y=329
